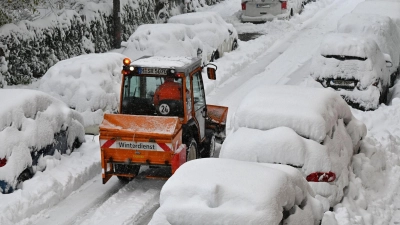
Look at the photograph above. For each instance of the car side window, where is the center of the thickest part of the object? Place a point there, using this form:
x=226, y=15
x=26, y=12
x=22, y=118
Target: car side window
x=198, y=91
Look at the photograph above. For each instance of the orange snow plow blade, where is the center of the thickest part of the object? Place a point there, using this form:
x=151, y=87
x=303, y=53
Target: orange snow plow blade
x=140, y=140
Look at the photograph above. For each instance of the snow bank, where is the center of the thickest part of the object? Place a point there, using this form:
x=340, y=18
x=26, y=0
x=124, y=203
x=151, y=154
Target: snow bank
x=215, y=197
x=89, y=84
x=384, y=8
x=29, y=120
x=162, y=40
x=311, y=112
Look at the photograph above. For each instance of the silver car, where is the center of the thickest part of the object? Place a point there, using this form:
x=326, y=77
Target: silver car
x=267, y=10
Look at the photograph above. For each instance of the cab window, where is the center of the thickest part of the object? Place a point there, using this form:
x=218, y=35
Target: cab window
x=198, y=91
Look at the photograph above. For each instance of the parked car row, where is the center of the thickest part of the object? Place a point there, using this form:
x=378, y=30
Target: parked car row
x=198, y=34
x=362, y=60
x=311, y=132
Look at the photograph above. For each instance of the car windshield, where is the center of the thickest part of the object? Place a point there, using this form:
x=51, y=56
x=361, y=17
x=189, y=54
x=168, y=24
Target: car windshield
x=144, y=95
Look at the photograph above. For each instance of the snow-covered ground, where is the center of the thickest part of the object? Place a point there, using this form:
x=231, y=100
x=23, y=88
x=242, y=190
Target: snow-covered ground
x=70, y=190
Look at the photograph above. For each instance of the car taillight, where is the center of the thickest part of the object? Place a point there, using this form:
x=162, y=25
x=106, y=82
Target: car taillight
x=321, y=177
x=3, y=162
x=284, y=5
x=376, y=83
x=244, y=5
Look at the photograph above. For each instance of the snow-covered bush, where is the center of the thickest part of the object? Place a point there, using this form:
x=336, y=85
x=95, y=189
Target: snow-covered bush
x=87, y=27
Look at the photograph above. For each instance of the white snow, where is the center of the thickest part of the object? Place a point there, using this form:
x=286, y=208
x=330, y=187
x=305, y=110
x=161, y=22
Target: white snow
x=215, y=191
x=163, y=61
x=90, y=84
x=311, y=112
x=380, y=28
x=211, y=29
x=29, y=120
x=162, y=40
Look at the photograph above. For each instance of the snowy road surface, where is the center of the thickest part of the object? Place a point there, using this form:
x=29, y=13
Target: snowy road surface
x=280, y=56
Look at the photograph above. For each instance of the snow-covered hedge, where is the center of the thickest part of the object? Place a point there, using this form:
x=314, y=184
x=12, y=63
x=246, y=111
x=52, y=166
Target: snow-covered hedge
x=29, y=48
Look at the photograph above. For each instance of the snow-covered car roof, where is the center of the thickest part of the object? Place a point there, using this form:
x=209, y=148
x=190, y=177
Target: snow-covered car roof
x=215, y=191
x=29, y=119
x=279, y=145
x=162, y=40
x=208, y=26
x=380, y=28
x=89, y=84
x=384, y=8
x=311, y=112
x=365, y=62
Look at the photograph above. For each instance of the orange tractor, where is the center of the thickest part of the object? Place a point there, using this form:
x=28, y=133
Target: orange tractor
x=164, y=120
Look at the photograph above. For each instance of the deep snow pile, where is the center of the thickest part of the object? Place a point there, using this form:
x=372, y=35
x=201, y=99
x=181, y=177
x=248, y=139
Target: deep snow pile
x=29, y=120
x=89, y=84
x=223, y=198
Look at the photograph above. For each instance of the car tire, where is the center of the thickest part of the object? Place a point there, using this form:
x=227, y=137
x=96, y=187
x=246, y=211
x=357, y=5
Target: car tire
x=209, y=144
x=215, y=56
x=126, y=169
x=234, y=45
x=25, y=175
x=191, y=152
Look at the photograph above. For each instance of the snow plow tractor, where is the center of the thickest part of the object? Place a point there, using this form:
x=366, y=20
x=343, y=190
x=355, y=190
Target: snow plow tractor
x=163, y=118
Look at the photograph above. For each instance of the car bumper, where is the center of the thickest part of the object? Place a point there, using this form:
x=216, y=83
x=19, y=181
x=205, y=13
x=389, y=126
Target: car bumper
x=364, y=100
x=264, y=18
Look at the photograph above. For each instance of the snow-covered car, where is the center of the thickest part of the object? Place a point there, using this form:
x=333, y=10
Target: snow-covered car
x=226, y=191
x=217, y=35
x=90, y=84
x=163, y=40
x=355, y=67
x=282, y=118
x=33, y=126
x=390, y=8
x=267, y=10
x=382, y=30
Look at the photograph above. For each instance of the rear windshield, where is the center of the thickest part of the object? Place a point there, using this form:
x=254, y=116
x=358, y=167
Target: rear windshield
x=344, y=57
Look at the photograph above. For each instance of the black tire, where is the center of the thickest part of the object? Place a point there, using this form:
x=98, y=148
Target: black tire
x=234, y=45
x=209, y=144
x=191, y=152
x=291, y=13
x=126, y=169
x=215, y=56
x=25, y=175
x=76, y=144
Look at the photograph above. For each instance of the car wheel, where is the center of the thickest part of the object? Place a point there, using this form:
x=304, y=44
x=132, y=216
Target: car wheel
x=191, y=153
x=234, y=45
x=25, y=175
x=291, y=13
x=215, y=56
x=126, y=169
x=76, y=144
x=209, y=144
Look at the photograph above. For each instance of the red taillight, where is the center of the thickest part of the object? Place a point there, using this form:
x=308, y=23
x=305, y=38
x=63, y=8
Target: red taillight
x=3, y=162
x=376, y=83
x=321, y=177
x=244, y=5
x=284, y=5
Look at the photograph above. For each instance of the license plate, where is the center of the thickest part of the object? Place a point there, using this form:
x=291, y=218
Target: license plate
x=263, y=6
x=157, y=71
x=347, y=83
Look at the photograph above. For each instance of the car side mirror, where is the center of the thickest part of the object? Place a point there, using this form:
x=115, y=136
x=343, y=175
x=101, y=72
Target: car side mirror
x=389, y=64
x=388, y=60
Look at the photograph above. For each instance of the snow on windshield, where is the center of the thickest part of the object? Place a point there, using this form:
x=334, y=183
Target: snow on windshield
x=223, y=197
x=311, y=112
x=89, y=84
